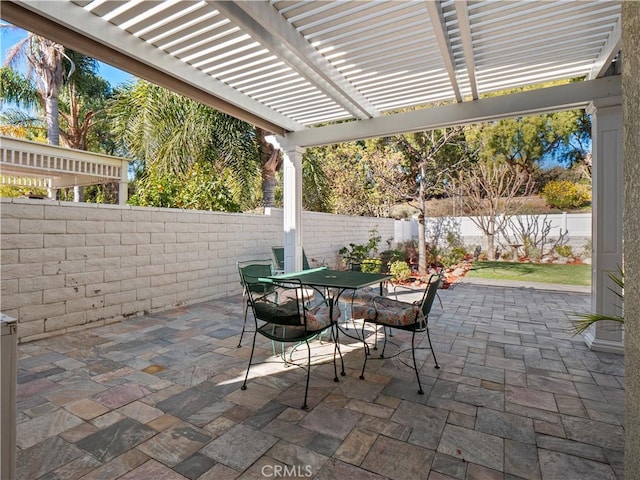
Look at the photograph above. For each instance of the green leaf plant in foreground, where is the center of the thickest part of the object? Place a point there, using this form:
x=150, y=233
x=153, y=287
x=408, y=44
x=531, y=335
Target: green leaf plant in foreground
x=582, y=321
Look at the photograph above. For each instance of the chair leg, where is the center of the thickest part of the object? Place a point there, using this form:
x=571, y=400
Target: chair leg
x=244, y=323
x=415, y=364
x=336, y=347
x=366, y=351
x=253, y=347
x=306, y=390
x=384, y=345
x=432, y=350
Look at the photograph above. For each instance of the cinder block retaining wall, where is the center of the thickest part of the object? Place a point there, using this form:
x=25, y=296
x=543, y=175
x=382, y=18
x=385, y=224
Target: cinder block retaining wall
x=68, y=266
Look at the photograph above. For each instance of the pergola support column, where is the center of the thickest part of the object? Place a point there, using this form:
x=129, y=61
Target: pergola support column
x=292, y=196
x=608, y=186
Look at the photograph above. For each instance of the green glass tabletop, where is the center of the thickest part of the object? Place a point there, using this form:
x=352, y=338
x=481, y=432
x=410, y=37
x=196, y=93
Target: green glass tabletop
x=324, y=277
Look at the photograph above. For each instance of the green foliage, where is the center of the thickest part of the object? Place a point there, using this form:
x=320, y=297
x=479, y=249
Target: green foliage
x=400, y=270
x=565, y=195
x=356, y=254
x=454, y=256
x=564, y=251
x=371, y=265
x=582, y=321
x=201, y=188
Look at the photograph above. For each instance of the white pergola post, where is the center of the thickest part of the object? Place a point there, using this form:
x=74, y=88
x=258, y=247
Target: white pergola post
x=123, y=184
x=292, y=197
x=608, y=185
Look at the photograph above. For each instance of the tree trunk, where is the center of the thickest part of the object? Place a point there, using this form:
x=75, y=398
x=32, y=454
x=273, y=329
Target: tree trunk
x=422, y=241
x=271, y=161
x=53, y=125
x=491, y=249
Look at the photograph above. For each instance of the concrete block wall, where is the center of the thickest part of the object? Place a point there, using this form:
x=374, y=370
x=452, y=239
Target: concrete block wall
x=68, y=266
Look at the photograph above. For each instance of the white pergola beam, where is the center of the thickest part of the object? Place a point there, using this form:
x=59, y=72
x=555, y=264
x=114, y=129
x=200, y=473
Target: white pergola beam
x=552, y=99
x=80, y=30
x=609, y=52
x=263, y=23
x=440, y=32
x=462, y=12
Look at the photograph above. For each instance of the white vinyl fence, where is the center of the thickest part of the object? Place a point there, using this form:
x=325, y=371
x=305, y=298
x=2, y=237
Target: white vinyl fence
x=575, y=228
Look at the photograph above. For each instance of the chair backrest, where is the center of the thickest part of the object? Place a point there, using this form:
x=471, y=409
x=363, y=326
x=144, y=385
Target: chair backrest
x=251, y=271
x=278, y=254
x=430, y=293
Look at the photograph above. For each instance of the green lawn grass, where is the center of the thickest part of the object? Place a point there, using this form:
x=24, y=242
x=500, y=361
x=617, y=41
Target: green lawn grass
x=533, y=272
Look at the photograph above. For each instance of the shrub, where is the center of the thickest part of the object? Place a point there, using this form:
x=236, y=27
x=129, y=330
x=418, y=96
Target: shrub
x=400, y=270
x=371, y=265
x=564, y=251
x=563, y=194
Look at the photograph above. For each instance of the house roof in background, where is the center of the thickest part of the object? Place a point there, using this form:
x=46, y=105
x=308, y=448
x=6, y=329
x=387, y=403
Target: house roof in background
x=290, y=65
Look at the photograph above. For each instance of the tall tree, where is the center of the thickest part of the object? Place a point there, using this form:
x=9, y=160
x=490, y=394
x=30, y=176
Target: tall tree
x=490, y=193
x=44, y=58
x=169, y=135
x=430, y=158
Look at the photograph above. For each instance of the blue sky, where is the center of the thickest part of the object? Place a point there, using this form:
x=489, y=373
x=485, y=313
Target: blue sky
x=9, y=36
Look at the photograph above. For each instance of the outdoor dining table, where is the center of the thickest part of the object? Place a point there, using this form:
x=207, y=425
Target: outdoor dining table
x=337, y=280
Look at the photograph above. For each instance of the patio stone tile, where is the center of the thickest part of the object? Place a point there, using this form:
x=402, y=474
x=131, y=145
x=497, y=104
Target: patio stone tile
x=472, y=446
x=175, y=444
x=210, y=412
x=451, y=466
x=554, y=465
x=329, y=421
x=152, y=469
x=118, y=466
x=485, y=373
x=548, y=428
x=367, y=408
x=337, y=470
x=289, y=432
x=595, y=433
x=324, y=444
x=116, y=439
x=304, y=460
x=194, y=466
x=521, y=459
x=385, y=427
x=252, y=443
x=185, y=403
x=76, y=468
x=480, y=397
x=37, y=429
x=548, y=384
x=505, y=425
x=267, y=413
x=73, y=392
x=141, y=412
x=571, y=447
x=530, y=398
x=87, y=409
x=356, y=446
x=397, y=460
x=220, y=472
x=478, y=472
x=44, y=457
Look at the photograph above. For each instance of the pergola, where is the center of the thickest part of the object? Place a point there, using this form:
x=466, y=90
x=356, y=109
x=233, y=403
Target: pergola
x=323, y=72
x=34, y=165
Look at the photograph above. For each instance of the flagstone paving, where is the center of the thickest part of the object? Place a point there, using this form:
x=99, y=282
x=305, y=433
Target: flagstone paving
x=158, y=397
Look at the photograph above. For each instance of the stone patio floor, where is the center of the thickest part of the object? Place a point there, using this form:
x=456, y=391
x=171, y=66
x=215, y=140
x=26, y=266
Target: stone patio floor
x=158, y=397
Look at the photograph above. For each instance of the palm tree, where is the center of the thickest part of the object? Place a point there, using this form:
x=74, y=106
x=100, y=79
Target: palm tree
x=44, y=58
x=169, y=134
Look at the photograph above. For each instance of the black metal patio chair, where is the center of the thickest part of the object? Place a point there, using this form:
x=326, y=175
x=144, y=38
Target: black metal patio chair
x=394, y=314
x=290, y=319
